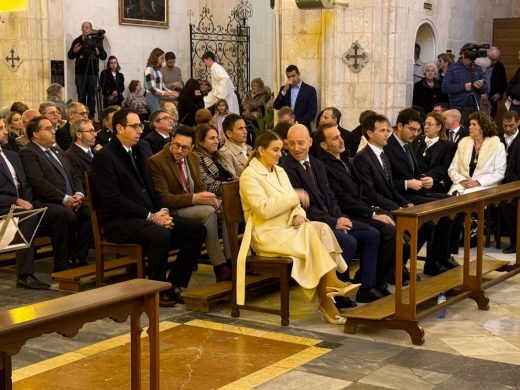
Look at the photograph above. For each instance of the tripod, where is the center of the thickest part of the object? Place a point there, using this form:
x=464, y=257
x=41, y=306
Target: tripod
x=88, y=89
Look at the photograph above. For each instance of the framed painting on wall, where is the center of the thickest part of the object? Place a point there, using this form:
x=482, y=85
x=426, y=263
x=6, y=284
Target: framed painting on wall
x=148, y=13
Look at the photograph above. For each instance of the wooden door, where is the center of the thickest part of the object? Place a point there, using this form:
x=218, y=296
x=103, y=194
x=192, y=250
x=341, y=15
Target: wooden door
x=506, y=36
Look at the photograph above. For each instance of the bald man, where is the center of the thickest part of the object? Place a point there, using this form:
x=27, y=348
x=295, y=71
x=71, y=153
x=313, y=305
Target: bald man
x=498, y=79
x=307, y=173
x=453, y=127
x=27, y=115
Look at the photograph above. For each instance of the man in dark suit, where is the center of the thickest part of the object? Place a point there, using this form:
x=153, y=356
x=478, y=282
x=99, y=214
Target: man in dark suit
x=454, y=129
x=331, y=115
x=353, y=203
x=417, y=187
x=75, y=111
x=81, y=152
x=308, y=174
x=498, y=82
x=106, y=133
x=14, y=190
x=131, y=211
x=301, y=97
x=510, y=124
x=175, y=173
x=162, y=124
x=59, y=189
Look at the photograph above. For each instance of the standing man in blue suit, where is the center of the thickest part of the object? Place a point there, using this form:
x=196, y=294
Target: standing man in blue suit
x=301, y=97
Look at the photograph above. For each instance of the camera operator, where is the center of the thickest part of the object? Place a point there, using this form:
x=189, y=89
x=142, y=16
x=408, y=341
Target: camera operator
x=464, y=80
x=87, y=50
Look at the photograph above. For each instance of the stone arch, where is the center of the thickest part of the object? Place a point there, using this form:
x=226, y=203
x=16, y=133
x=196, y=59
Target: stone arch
x=426, y=37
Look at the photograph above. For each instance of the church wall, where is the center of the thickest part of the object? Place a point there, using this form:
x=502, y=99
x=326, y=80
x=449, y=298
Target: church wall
x=28, y=31
x=388, y=31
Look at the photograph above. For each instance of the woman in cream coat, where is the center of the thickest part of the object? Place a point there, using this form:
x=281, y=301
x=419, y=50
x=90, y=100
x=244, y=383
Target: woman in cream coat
x=276, y=226
x=480, y=160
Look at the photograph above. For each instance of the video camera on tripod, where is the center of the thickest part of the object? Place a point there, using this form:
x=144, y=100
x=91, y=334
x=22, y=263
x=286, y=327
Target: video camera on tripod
x=92, y=41
x=472, y=51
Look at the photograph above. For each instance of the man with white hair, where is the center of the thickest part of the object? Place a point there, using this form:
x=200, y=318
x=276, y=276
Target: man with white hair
x=455, y=131
x=498, y=80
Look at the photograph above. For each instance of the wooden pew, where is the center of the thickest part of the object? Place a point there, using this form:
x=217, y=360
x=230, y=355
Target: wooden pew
x=66, y=315
x=402, y=310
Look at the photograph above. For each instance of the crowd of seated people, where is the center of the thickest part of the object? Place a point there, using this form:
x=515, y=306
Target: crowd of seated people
x=330, y=190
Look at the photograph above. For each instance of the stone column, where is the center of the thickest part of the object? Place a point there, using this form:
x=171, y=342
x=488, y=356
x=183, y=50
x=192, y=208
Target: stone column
x=36, y=41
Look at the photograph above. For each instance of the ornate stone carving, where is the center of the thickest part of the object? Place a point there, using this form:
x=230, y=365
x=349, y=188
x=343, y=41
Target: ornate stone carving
x=355, y=57
x=13, y=60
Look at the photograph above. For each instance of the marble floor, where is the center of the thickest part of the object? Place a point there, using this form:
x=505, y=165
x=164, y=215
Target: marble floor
x=468, y=349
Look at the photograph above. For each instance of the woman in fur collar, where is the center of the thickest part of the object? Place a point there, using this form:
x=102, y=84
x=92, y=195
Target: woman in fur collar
x=480, y=160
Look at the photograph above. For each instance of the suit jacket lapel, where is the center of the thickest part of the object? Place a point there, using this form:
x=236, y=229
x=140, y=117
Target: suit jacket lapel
x=170, y=161
x=379, y=168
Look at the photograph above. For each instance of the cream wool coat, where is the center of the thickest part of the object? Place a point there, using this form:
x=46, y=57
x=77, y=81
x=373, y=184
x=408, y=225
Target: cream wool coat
x=490, y=169
x=269, y=204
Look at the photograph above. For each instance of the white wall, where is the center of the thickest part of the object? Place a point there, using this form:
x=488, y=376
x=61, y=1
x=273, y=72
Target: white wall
x=133, y=44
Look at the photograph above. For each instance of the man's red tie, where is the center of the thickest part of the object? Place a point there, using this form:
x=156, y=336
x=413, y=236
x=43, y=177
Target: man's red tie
x=183, y=177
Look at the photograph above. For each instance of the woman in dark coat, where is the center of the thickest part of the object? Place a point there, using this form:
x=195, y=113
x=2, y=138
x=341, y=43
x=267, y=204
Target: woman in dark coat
x=112, y=83
x=427, y=92
x=190, y=100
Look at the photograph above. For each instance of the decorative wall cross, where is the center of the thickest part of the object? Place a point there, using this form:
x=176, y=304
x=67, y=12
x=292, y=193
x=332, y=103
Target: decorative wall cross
x=14, y=60
x=356, y=57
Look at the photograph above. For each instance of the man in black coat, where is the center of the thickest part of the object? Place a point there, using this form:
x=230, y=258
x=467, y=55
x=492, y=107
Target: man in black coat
x=417, y=187
x=301, y=97
x=498, y=82
x=81, y=152
x=510, y=124
x=352, y=202
x=162, y=124
x=132, y=212
x=75, y=111
x=58, y=188
x=87, y=51
x=308, y=174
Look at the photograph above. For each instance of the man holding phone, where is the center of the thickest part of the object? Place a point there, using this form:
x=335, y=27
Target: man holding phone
x=464, y=82
x=301, y=97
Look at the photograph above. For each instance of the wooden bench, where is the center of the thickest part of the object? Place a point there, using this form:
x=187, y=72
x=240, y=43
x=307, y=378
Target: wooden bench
x=200, y=298
x=402, y=310
x=66, y=315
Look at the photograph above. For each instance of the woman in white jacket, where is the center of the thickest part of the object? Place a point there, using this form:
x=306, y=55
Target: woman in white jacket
x=276, y=226
x=480, y=161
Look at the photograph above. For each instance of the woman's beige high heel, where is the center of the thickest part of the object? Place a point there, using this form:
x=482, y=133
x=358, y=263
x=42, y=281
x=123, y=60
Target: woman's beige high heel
x=337, y=320
x=349, y=289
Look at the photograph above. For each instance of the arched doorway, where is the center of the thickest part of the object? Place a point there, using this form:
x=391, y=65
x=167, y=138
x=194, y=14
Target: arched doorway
x=425, y=37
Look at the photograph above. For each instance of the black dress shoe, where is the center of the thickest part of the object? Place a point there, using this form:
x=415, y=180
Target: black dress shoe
x=406, y=276
x=451, y=263
x=367, y=295
x=32, y=282
x=344, y=302
x=391, y=281
x=81, y=262
x=383, y=289
x=175, y=293
x=72, y=262
x=165, y=300
x=434, y=268
x=510, y=249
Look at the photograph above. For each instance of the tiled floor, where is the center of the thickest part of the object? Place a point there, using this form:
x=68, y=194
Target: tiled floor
x=469, y=349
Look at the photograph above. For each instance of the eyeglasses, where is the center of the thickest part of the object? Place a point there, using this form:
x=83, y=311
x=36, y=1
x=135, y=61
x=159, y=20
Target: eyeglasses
x=177, y=145
x=413, y=129
x=82, y=113
x=87, y=131
x=136, y=127
x=164, y=117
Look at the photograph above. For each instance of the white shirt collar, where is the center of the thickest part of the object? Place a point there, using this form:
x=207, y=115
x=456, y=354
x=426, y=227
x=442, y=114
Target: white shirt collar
x=377, y=150
x=511, y=138
x=86, y=150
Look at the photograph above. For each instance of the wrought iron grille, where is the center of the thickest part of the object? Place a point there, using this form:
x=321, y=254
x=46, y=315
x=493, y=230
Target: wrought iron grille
x=230, y=44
